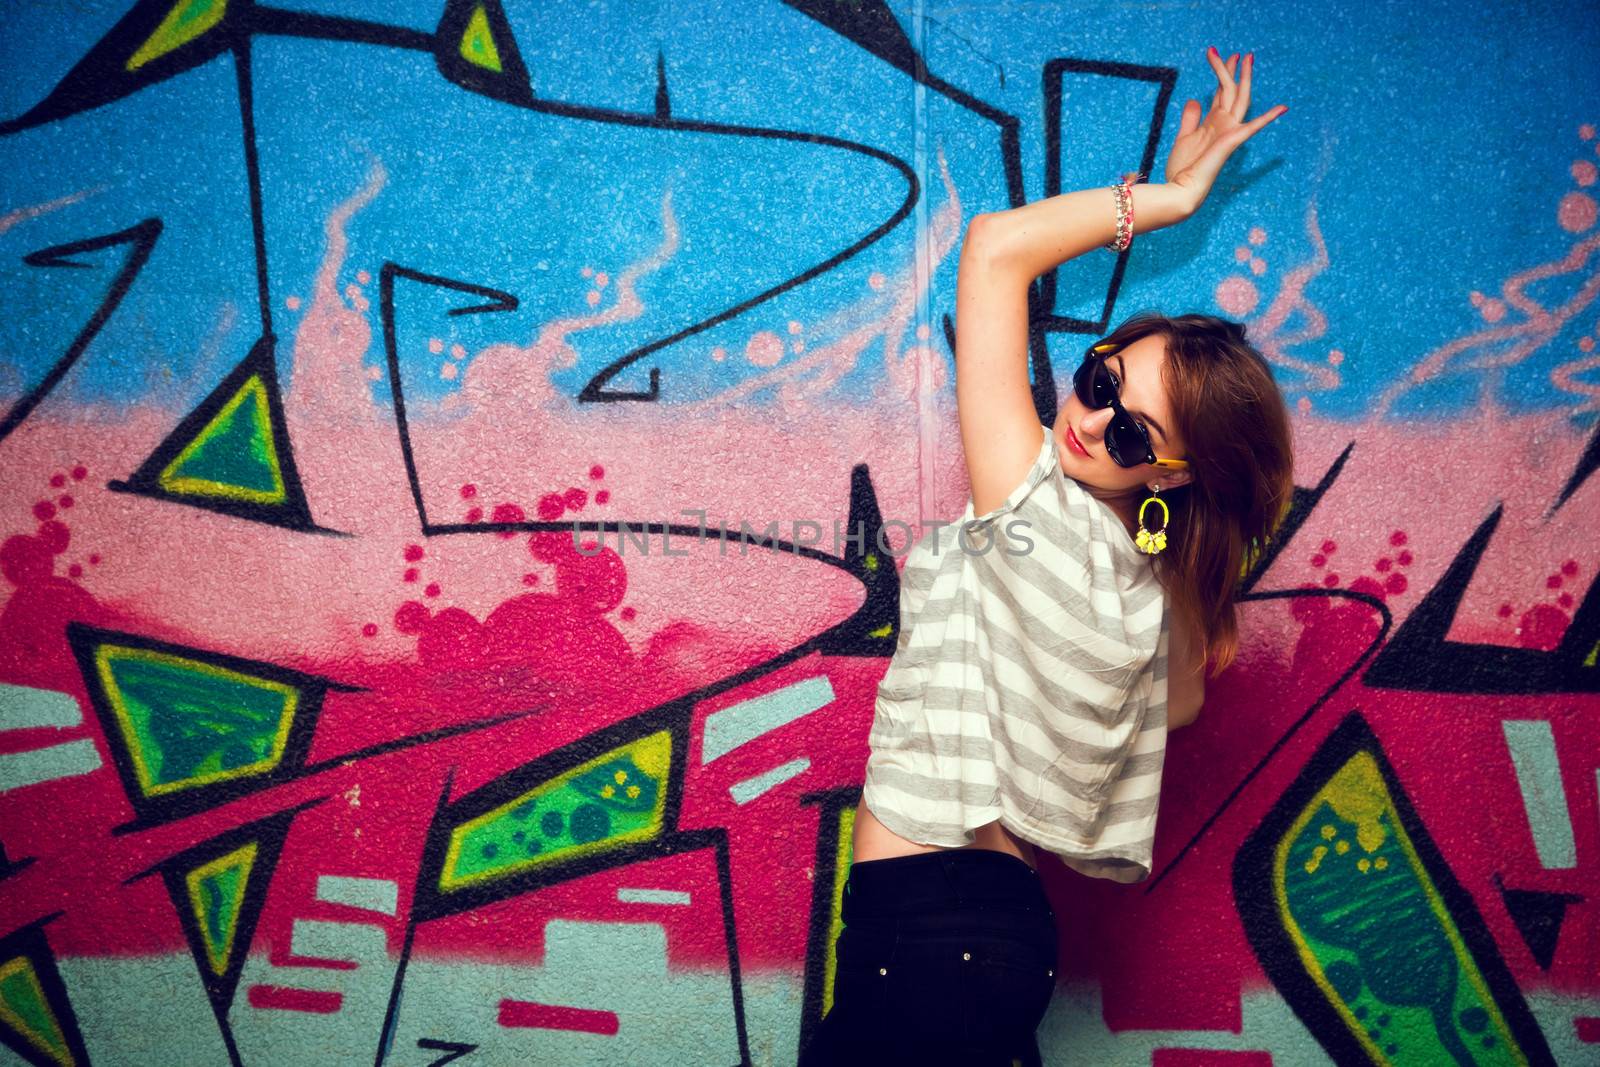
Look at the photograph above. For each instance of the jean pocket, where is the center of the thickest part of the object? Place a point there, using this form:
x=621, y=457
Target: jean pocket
x=1007, y=989
x=861, y=956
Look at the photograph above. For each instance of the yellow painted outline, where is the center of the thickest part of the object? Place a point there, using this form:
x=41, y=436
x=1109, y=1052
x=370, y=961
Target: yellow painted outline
x=448, y=881
x=1369, y=766
x=245, y=855
x=478, y=30
x=24, y=965
x=165, y=38
x=255, y=387
x=130, y=733
x=843, y=851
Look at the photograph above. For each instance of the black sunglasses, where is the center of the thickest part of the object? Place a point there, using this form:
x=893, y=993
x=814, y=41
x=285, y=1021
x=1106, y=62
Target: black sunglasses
x=1127, y=441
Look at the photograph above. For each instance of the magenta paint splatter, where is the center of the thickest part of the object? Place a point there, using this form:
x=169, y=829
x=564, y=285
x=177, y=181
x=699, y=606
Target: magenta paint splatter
x=370, y=630
x=1330, y=580
x=431, y=590
x=57, y=481
x=1569, y=568
x=474, y=514
x=1384, y=564
x=44, y=510
x=508, y=513
x=1319, y=560
x=1541, y=627
x=94, y=560
x=1553, y=582
x=628, y=614
x=602, y=496
x=413, y=553
x=592, y=582
x=26, y=559
x=575, y=499
x=1368, y=585
x=551, y=505
x=80, y=473
x=1405, y=558
x=1565, y=600
x=55, y=535
x=1397, y=538
x=597, y=472
x=1505, y=611
x=550, y=547
x=1395, y=583
x=410, y=575
x=1330, y=547
x=66, y=501
x=530, y=579
x=469, y=491
x=412, y=617
x=75, y=571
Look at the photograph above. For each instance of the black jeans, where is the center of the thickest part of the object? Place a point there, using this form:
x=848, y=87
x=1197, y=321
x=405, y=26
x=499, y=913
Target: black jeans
x=946, y=957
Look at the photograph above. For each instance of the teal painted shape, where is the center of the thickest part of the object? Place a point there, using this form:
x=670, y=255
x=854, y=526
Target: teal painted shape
x=628, y=895
x=319, y=939
x=235, y=451
x=746, y=791
x=742, y=723
x=23, y=707
x=369, y=894
x=199, y=722
x=1533, y=754
x=18, y=769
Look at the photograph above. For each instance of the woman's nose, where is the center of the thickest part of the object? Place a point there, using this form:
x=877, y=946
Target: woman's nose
x=1095, y=421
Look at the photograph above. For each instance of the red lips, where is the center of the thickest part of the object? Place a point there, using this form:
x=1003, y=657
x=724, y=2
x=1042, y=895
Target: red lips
x=1073, y=442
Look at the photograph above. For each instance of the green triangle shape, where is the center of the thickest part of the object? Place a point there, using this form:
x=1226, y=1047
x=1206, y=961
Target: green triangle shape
x=612, y=800
x=216, y=893
x=23, y=1008
x=188, y=723
x=235, y=455
x=187, y=20
x=477, y=42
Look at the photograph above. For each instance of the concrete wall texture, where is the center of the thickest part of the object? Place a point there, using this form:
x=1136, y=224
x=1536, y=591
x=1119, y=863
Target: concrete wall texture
x=341, y=721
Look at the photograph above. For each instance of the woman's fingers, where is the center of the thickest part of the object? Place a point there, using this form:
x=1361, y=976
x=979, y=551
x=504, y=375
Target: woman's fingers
x=1190, y=117
x=1225, y=87
x=1251, y=128
x=1241, y=100
x=1221, y=71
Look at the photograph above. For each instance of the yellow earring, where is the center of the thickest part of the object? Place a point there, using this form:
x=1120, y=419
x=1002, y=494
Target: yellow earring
x=1148, y=541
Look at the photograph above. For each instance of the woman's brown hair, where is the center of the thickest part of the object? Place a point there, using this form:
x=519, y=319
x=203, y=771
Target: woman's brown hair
x=1231, y=415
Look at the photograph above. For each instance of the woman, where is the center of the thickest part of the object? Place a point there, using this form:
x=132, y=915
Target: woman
x=1040, y=664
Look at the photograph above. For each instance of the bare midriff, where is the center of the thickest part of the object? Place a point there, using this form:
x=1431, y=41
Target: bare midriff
x=875, y=841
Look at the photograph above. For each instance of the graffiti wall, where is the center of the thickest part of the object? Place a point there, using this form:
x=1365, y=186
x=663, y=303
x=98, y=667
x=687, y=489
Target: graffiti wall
x=455, y=461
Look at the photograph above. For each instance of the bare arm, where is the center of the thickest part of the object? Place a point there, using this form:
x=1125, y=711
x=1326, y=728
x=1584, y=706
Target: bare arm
x=1003, y=252
x=1040, y=236
x=1186, y=680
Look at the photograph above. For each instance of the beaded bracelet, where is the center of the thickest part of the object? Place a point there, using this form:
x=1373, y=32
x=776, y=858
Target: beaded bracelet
x=1124, y=195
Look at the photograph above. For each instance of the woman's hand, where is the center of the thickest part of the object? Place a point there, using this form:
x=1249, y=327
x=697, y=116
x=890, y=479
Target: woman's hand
x=1202, y=146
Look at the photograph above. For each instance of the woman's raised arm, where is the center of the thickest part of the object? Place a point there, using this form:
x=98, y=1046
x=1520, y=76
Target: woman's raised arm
x=1037, y=237
x=1004, y=251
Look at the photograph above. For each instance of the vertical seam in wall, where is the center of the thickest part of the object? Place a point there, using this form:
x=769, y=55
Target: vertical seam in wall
x=927, y=409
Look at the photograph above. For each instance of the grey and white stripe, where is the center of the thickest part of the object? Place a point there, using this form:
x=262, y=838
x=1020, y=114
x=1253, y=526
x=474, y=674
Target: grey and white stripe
x=1027, y=685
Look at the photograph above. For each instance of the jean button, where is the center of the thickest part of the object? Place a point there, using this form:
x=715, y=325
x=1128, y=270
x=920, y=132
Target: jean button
x=885, y=970
x=966, y=955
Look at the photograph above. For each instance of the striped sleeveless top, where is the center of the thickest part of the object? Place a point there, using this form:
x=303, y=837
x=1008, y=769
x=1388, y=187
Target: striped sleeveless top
x=1028, y=682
